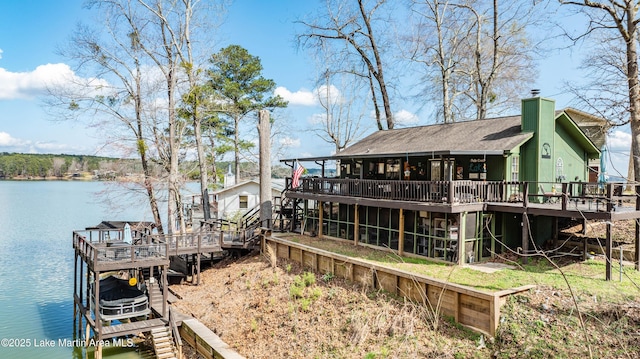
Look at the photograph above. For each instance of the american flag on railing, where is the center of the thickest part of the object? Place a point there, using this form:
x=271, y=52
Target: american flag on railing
x=297, y=172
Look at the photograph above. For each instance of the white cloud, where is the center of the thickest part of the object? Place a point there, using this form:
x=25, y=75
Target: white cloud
x=332, y=92
x=619, y=140
x=29, y=84
x=290, y=142
x=317, y=119
x=0, y=53
x=9, y=143
x=302, y=97
x=406, y=118
x=402, y=118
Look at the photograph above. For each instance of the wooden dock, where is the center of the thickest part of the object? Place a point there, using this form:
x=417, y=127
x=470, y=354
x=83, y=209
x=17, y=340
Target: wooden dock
x=123, y=329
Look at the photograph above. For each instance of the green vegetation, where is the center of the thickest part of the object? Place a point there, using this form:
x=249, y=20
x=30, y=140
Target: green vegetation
x=14, y=165
x=304, y=291
x=587, y=278
x=38, y=166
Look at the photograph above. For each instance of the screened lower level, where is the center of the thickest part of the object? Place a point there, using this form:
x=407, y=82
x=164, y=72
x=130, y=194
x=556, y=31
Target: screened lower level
x=423, y=233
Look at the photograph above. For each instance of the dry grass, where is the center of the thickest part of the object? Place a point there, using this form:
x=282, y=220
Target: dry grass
x=249, y=305
x=277, y=311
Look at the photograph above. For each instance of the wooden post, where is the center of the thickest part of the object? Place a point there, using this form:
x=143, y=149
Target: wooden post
x=198, y=269
x=462, y=222
x=608, y=251
x=320, y=219
x=356, y=225
x=555, y=232
x=87, y=331
x=456, y=306
x=264, y=131
x=165, y=293
x=401, y=234
x=494, y=314
x=525, y=238
x=96, y=304
x=75, y=284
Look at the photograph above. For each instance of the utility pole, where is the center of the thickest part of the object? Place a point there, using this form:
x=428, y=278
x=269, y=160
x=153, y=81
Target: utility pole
x=264, y=132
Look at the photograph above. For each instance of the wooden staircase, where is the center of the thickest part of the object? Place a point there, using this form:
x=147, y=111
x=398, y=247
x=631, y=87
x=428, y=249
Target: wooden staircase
x=155, y=295
x=163, y=343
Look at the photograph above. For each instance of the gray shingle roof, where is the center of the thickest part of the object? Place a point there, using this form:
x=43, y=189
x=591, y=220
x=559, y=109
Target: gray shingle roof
x=491, y=136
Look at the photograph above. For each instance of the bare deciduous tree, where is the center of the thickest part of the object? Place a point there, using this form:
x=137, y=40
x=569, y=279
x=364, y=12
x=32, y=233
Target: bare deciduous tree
x=118, y=58
x=355, y=25
x=437, y=44
x=620, y=18
x=341, y=123
x=475, y=67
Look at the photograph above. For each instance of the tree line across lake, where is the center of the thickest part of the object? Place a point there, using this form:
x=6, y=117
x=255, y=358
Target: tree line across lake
x=21, y=165
x=41, y=166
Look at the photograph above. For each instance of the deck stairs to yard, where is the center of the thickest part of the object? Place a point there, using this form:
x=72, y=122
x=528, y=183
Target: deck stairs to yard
x=163, y=343
x=287, y=214
x=155, y=296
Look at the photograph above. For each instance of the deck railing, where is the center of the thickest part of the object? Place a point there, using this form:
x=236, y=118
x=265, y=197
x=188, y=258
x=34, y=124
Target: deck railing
x=188, y=242
x=233, y=235
x=98, y=251
x=460, y=192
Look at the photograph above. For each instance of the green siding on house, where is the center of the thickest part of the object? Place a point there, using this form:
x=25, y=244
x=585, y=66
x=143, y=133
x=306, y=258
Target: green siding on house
x=571, y=156
x=551, y=142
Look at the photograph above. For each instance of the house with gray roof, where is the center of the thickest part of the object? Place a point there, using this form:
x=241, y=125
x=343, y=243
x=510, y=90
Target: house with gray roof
x=463, y=191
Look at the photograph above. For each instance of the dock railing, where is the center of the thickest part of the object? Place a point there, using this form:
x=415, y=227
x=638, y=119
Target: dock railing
x=235, y=235
x=188, y=243
x=102, y=254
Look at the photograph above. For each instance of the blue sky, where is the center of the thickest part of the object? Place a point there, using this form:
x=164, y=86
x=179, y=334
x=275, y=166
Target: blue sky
x=31, y=30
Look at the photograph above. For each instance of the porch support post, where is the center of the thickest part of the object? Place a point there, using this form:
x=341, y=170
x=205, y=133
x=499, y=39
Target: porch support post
x=525, y=238
x=96, y=296
x=401, y=234
x=555, y=232
x=356, y=225
x=165, y=293
x=462, y=222
x=608, y=251
x=320, y=219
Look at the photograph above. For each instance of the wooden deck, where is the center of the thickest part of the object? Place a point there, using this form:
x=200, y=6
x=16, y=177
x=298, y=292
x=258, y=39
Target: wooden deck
x=615, y=210
x=466, y=195
x=142, y=326
x=103, y=254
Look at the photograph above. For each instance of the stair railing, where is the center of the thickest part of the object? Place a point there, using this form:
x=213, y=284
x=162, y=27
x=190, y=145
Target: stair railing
x=175, y=333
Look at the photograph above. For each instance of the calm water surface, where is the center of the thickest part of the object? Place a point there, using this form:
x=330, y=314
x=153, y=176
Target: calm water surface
x=36, y=261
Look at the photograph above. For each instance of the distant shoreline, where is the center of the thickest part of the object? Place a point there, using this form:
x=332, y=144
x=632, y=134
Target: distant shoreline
x=69, y=178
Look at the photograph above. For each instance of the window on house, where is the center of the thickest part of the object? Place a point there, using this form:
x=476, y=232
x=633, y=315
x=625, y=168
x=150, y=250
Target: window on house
x=515, y=168
x=244, y=202
x=393, y=169
x=560, y=169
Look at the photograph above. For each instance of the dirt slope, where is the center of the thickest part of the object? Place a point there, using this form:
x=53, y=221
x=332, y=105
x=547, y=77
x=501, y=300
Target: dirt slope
x=283, y=312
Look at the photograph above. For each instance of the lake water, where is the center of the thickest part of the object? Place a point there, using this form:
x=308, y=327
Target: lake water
x=37, y=219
